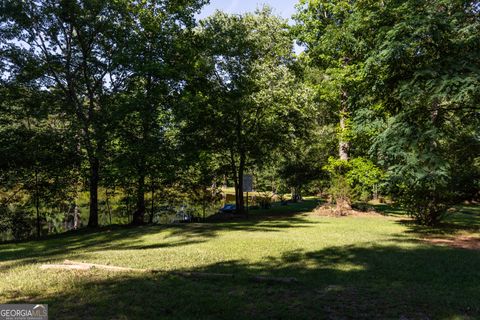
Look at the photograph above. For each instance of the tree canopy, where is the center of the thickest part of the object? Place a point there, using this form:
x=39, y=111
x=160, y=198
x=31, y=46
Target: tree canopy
x=126, y=104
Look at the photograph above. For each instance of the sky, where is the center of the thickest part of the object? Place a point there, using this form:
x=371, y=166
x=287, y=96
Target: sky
x=284, y=8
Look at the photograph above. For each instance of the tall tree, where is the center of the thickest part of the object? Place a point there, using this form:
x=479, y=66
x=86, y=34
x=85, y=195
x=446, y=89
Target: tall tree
x=157, y=55
x=39, y=163
x=332, y=50
x=244, y=98
x=425, y=67
x=70, y=48
x=414, y=86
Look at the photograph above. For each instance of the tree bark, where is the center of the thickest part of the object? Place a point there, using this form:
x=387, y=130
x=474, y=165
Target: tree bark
x=139, y=214
x=235, y=178
x=108, y=205
x=343, y=203
x=76, y=217
x=94, y=179
x=224, y=186
x=296, y=194
x=343, y=145
x=152, y=209
x=37, y=204
x=241, y=200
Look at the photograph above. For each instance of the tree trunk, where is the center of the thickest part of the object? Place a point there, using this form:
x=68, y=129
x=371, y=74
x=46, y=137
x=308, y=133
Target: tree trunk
x=138, y=215
x=235, y=182
x=343, y=145
x=235, y=179
x=343, y=203
x=225, y=185
x=94, y=179
x=37, y=204
x=296, y=194
x=76, y=217
x=239, y=195
x=152, y=209
x=108, y=205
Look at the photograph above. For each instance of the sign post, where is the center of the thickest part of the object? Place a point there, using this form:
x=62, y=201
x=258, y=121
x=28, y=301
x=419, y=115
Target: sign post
x=247, y=185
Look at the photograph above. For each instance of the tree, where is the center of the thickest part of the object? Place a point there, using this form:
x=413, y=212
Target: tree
x=157, y=56
x=244, y=98
x=418, y=94
x=334, y=52
x=39, y=160
x=69, y=48
x=302, y=163
x=424, y=66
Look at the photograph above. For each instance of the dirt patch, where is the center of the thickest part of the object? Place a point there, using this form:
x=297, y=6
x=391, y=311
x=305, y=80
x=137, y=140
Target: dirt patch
x=329, y=210
x=464, y=242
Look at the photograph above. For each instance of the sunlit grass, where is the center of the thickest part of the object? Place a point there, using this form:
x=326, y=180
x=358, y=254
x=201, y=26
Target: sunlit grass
x=355, y=267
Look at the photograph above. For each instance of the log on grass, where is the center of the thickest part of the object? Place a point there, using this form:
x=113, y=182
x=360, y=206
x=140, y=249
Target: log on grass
x=102, y=266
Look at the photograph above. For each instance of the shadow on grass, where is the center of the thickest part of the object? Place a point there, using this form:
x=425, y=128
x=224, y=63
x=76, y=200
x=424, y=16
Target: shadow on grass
x=265, y=220
x=260, y=223
x=351, y=282
x=129, y=238
x=463, y=218
x=55, y=246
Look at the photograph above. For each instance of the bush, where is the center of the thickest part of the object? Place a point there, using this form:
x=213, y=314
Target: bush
x=341, y=192
x=426, y=206
x=264, y=202
x=353, y=179
x=17, y=222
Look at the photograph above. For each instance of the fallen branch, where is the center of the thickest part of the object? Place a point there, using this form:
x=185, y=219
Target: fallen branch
x=64, y=267
x=102, y=266
x=75, y=265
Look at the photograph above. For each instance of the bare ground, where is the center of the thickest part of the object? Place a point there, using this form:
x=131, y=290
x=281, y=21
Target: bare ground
x=329, y=210
x=460, y=241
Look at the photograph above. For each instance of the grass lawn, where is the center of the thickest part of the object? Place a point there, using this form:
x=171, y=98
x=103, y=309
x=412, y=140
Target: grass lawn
x=348, y=268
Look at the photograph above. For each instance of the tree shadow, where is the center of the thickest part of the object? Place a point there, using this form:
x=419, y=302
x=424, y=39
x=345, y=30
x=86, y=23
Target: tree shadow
x=350, y=282
x=117, y=237
x=461, y=219
x=250, y=224
x=74, y=243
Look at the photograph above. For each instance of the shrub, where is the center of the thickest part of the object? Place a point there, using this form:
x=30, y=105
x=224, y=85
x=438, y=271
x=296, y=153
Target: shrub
x=353, y=179
x=17, y=222
x=428, y=206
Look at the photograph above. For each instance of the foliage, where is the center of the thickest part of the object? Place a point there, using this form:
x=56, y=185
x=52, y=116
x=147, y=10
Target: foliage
x=39, y=166
x=16, y=221
x=199, y=181
x=411, y=72
x=301, y=162
x=156, y=56
x=427, y=81
x=139, y=101
x=364, y=176
x=354, y=179
x=107, y=68
x=244, y=98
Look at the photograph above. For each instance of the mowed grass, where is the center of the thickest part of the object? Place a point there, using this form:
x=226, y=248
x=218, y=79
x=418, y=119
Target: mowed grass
x=347, y=268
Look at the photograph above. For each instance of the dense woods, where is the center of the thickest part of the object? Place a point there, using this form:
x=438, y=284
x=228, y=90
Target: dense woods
x=117, y=111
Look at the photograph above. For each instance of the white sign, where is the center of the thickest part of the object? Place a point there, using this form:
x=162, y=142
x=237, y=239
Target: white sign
x=247, y=183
